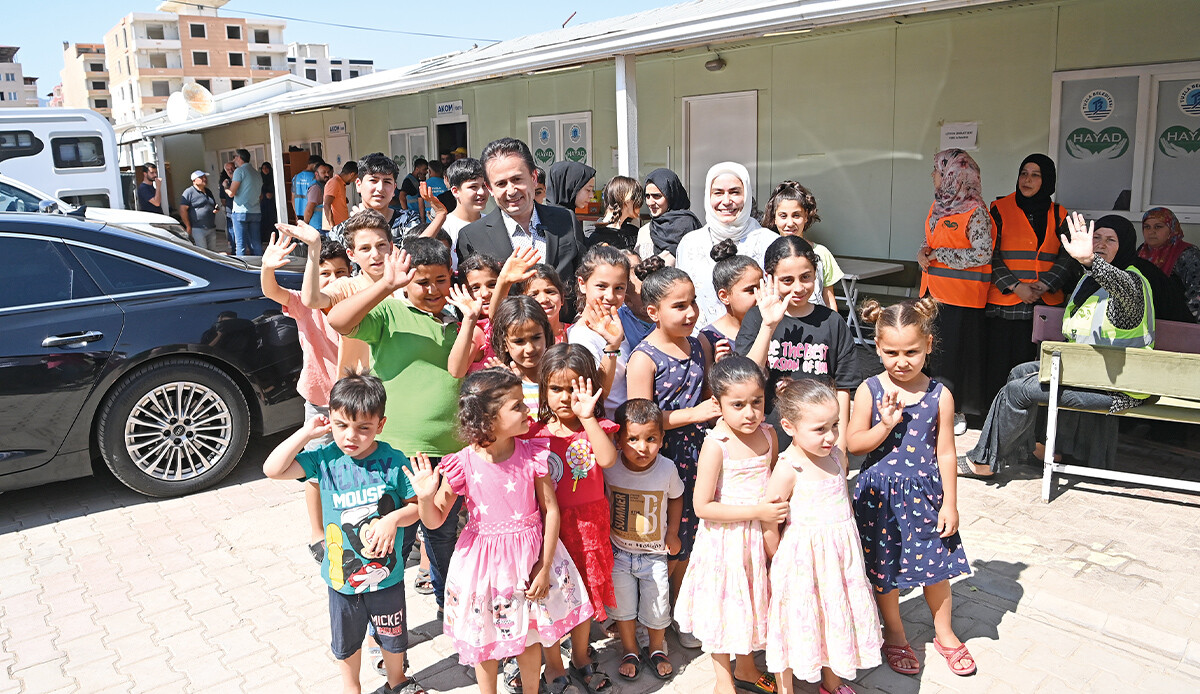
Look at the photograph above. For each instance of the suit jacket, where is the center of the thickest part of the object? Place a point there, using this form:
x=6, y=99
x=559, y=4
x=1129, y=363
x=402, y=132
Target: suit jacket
x=564, y=245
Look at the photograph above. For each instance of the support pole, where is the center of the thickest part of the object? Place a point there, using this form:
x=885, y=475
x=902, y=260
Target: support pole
x=276, y=145
x=627, y=136
x=160, y=159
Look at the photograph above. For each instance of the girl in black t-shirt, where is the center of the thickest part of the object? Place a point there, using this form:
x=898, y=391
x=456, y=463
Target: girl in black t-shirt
x=791, y=337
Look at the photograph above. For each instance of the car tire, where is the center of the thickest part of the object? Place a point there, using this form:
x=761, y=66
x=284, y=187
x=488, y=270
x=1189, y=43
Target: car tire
x=173, y=427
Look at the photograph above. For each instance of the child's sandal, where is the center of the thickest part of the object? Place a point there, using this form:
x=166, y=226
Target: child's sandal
x=842, y=689
x=589, y=676
x=560, y=685
x=510, y=675
x=954, y=658
x=655, y=659
x=636, y=661
x=896, y=654
x=765, y=684
x=423, y=583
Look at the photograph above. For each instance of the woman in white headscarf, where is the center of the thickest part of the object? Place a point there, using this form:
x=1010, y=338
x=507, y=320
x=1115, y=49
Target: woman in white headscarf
x=728, y=196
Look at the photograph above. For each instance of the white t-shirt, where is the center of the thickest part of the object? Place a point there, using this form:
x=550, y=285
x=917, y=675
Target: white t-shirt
x=453, y=225
x=639, y=505
x=580, y=334
x=694, y=259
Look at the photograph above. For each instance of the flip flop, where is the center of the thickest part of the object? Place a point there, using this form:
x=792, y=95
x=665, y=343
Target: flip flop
x=637, y=666
x=655, y=659
x=954, y=656
x=894, y=654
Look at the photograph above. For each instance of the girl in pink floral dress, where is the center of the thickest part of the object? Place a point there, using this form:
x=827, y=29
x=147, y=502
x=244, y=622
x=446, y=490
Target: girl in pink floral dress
x=511, y=582
x=822, y=620
x=724, y=596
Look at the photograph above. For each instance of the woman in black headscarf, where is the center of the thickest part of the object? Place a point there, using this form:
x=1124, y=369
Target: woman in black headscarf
x=1029, y=268
x=1111, y=306
x=266, y=200
x=670, y=218
x=570, y=184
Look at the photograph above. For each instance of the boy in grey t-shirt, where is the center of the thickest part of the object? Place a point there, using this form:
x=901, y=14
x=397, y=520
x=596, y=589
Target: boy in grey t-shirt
x=646, y=497
x=199, y=211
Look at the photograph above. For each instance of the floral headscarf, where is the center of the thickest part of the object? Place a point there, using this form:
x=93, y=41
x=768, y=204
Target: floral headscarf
x=960, y=190
x=1165, y=255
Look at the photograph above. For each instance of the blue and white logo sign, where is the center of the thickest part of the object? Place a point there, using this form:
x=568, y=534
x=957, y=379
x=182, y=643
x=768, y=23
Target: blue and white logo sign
x=575, y=133
x=544, y=135
x=1097, y=105
x=1189, y=99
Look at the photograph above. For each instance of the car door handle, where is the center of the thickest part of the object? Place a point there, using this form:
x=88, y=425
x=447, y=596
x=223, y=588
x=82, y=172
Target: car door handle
x=76, y=339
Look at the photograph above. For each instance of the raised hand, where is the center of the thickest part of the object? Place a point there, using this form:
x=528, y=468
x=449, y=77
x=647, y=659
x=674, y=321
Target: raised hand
x=1078, y=241
x=424, y=477
x=301, y=231
x=427, y=195
x=773, y=511
x=891, y=412
x=770, y=304
x=721, y=350
x=397, y=268
x=519, y=266
x=317, y=427
x=470, y=306
x=275, y=255
x=584, y=398
x=604, y=322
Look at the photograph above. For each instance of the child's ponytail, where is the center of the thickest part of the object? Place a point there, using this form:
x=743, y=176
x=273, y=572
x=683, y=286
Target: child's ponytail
x=479, y=399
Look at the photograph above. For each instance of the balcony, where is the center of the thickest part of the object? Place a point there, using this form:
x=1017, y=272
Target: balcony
x=159, y=71
x=266, y=47
x=154, y=101
x=144, y=44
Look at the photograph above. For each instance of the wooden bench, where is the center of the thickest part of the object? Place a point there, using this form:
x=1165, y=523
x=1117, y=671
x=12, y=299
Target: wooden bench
x=1170, y=372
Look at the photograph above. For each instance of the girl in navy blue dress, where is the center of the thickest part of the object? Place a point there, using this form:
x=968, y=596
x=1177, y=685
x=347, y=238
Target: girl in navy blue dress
x=669, y=367
x=906, y=495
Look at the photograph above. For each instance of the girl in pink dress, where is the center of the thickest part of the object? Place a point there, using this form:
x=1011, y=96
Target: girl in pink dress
x=724, y=596
x=511, y=588
x=822, y=620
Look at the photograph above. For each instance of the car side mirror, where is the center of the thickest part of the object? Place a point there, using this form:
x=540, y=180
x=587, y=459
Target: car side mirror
x=48, y=207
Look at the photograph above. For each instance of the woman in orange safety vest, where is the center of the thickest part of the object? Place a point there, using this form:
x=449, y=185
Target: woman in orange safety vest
x=1029, y=267
x=956, y=263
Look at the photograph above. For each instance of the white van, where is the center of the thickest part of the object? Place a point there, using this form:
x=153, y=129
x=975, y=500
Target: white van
x=71, y=153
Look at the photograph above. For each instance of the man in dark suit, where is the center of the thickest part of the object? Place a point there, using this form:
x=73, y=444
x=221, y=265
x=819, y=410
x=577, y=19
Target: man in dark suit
x=518, y=221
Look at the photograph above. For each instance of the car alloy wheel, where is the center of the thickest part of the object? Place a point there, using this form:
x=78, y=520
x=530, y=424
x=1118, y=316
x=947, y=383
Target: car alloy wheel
x=176, y=431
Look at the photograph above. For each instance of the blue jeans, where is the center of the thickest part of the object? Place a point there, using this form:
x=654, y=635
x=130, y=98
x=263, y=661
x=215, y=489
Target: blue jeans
x=439, y=545
x=245, y=233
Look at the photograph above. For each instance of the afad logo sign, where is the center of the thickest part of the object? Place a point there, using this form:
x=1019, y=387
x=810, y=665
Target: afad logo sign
x=1109, y=143
x=1097, y=105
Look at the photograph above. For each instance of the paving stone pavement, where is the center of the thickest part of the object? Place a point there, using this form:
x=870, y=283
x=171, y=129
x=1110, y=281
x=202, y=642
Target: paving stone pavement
x=102, y=590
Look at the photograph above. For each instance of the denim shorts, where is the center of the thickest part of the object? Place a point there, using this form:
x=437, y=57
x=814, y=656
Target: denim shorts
x=349, y=616
x=643, y=589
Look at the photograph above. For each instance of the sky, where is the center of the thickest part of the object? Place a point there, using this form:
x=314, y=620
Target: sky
x=39, y=34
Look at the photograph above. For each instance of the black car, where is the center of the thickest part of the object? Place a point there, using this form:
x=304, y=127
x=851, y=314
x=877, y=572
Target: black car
x=153, y=355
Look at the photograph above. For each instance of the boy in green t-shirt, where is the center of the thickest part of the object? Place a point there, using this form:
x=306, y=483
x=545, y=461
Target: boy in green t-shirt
x=365, y=498
x=410, y=342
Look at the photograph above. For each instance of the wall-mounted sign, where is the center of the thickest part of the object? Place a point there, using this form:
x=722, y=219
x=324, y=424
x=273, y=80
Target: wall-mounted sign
x=450, y=108
x=964, y=136
x=337, y=128
x=1177, y=144
x=1095, y=147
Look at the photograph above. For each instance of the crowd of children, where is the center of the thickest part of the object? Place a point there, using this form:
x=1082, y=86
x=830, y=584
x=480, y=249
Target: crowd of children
x=721, y=474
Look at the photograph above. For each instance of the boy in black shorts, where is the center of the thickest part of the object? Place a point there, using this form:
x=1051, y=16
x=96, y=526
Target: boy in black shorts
x=365, y=497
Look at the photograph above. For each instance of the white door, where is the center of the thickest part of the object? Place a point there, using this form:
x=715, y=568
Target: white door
x=407, y=146
x=717, y=128
x=337, y=151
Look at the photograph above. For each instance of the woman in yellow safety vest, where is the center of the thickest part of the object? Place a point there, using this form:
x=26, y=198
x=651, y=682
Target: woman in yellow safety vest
x=1029, y=268
x=956, y=265
x=1111, y=306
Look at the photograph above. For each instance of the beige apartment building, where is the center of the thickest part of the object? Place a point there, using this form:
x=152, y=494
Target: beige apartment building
x=84, y=79
x=150, y=55
x=16, y=90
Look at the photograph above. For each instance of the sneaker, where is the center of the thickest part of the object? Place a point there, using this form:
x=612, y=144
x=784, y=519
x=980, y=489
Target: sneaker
x=685, y=639
x=960, y=424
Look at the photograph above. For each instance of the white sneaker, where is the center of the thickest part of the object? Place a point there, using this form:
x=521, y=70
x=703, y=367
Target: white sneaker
x=960, y=424
x=685, y=639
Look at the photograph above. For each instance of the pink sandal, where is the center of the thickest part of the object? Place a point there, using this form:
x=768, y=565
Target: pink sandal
x=954, y=657
x=843, y=689
x=894, y=654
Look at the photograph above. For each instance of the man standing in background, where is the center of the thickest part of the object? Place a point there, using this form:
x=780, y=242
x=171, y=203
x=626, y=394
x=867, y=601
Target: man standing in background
x=301, y=182
x=199, y=212
x=316, y=195
x=337, y=209
x=247, y=214
x=149, y=191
